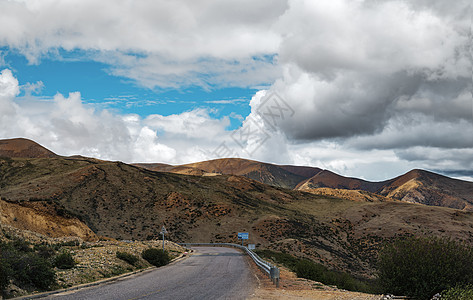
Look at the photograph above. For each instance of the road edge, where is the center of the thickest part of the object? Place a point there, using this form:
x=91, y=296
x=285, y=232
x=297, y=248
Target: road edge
x=99, y=282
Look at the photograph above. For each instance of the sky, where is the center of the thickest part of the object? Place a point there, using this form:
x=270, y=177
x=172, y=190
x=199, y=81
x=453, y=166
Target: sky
x=364, y=88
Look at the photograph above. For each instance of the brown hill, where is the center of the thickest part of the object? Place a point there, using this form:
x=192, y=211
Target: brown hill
x=159, y=167
x=155, y=166
x=416, y=186
x=328, y=179
x=280, y=176
x=23, y=148
x=127, y=202
x=420, y=186
x=353, y=195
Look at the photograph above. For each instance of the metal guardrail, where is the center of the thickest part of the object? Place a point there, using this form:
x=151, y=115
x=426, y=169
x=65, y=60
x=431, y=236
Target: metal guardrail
x=271, y=270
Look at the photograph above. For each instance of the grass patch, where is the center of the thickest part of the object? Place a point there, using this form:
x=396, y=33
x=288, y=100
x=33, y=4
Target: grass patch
x=128, y=257
x=310, y=270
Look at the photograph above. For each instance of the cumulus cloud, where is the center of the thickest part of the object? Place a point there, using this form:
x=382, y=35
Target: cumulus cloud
x=68, y=126
x=368, y=83
x=376, y=74
x=156, y=43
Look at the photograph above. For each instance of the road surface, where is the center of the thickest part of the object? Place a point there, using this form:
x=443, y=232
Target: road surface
x=210, y=273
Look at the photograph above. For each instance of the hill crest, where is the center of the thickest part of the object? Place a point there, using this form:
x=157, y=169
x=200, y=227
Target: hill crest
x=24, y=148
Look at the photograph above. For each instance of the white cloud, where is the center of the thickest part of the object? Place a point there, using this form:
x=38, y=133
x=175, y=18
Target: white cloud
x=367, y=75
x=67, y=126
x=378, y=86
x=158, y=43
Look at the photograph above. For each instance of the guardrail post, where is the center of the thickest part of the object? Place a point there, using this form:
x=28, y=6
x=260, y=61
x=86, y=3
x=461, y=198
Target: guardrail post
x=274, y=274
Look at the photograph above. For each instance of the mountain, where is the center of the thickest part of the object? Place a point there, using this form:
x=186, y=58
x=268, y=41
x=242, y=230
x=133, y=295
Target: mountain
x=275, y=175
x=185, y=170
x=23, y=148
x=420, y=186
x=122, y=201
x=416, y=186
x=328, y=179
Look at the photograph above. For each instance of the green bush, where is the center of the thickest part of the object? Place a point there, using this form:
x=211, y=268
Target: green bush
x=422, y=267
x=458, y=293
x=31, y=269
x=156, y=257
x=317, y=272
x=128, y=257
x=64, y=261
x=310, y=270
x=27, y=268
x=285, y=259
x=44, y=251
x=5, y=273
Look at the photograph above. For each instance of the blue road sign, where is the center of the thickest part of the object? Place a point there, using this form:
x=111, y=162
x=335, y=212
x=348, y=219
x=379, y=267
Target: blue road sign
x=243, y=235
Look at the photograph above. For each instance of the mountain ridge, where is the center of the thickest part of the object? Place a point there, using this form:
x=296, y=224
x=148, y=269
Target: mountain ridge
x=123, y=201
x=415, y=186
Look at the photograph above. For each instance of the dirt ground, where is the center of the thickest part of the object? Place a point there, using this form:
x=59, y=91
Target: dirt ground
x=291, y=287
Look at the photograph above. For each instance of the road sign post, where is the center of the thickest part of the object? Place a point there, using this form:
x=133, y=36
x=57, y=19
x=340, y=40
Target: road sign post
x=163, y=231
x=243, y=236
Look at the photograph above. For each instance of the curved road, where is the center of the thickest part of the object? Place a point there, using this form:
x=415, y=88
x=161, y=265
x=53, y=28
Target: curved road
x=210, y=273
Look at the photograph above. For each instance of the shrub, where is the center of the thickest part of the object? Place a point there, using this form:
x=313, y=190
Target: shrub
x=422, y=267
x=64, y=261
x=5, y=273
x=458, y=293
x=317, y=272
x=310, y=270
x=285, y=259
x=156, y=257
x=27, y=268
x=128, y=257
x=31, y=269
x=44, y=251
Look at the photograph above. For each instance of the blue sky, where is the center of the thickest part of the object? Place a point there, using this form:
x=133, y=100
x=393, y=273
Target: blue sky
x=366, y=88
x=73, y=71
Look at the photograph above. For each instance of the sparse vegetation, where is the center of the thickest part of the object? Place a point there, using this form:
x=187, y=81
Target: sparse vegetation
x=317, y=272
x=422, y=267
x=156, y=257
x=64, y=260
x=458, y=293
x=20, y=263
x=310, y=270
x=5, y=274
x=128, y=257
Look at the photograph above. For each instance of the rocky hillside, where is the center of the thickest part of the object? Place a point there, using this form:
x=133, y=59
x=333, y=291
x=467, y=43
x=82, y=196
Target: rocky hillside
x=280, y=176
x=121, y=201
x=416, y=186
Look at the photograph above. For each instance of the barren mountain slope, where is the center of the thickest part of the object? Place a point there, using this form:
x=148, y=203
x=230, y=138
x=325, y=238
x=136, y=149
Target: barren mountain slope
x=416, y=186
x=280, y=176
x=128, y=202
x=419, y=186
x=328, y=179
x=23, y=148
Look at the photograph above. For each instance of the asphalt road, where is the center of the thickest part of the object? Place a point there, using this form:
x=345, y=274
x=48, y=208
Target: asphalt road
x=210, y=273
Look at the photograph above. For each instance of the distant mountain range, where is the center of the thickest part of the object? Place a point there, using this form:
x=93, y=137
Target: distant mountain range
x=338, y=221
x=416, y=186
